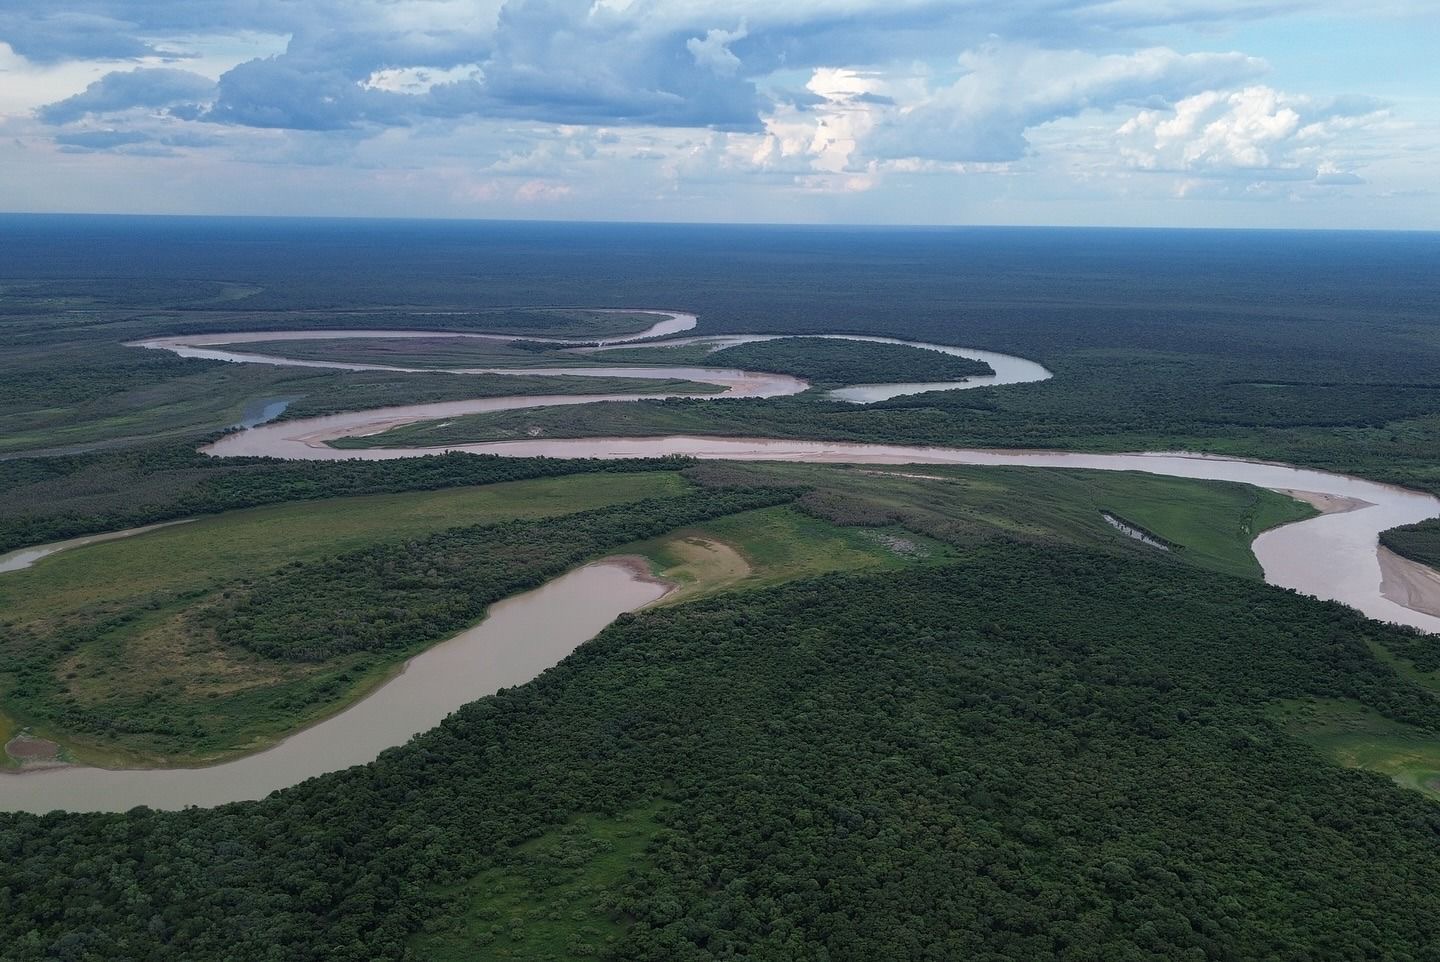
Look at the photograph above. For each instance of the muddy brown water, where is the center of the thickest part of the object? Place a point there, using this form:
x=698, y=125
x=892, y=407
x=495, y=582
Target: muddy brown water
x=519, y=638
x=1333, y=556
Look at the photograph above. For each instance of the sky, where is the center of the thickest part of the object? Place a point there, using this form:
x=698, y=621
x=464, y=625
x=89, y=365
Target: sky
x=1202, y=113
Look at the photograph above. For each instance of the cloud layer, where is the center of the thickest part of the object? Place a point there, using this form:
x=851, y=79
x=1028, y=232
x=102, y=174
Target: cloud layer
x=553, y=102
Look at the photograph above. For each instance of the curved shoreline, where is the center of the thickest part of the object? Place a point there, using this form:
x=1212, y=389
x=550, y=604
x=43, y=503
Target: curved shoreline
x=1344, y=537
x=520, y=637
x=22, y=558
x=1348, y=539
x=1007, y=368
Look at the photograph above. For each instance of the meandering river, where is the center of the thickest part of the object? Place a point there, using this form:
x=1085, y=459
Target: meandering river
x=519, y=638
x=1332, y=556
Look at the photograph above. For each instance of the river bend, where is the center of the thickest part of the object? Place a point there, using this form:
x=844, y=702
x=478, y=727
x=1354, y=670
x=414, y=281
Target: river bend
x=1333, y=556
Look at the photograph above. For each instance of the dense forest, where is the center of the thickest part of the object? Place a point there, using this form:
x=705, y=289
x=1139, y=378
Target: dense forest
x=49, y=499
x=1024, y=755
x=314, y=631
x=1045, y=742
x=835, y=362
x=1420, y=542
x=1240, y=344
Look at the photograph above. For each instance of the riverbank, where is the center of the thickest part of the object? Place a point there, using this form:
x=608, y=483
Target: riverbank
x=519, y=638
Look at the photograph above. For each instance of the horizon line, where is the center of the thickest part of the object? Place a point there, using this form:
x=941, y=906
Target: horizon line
x=794, y=225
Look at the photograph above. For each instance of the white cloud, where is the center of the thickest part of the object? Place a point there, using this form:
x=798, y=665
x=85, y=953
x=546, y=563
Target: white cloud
x=1256, y=133
x=1005, y=91
x=420, y=80
x=713, y=50
x=741, y=104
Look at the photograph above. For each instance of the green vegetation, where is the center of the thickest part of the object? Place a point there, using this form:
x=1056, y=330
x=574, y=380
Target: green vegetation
x=53, y=499
x=1030, y=739
x=68, y=381
x=200, y=555
x=825, y=361
x=552, y=898
x=228, y=631
x=831, y=362
x=1021, y=754
x=185, y=668
x=1214, y=527
x=1400, y=453
x=1356, y=736
x=700, y=353
x=1213, y=523
x=195, y=398
x=1418, y=542
x=430, y=352
x=772, y=546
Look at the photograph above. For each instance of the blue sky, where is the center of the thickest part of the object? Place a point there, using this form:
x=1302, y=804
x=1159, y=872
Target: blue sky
x=1246, y=113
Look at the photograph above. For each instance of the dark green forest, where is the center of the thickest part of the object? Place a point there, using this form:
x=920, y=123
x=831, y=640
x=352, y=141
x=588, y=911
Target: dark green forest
x=1420, y=542
x=347, y=619
x=832, y=362
x=1028, y=754
x=1031, y=746
x=49, y=499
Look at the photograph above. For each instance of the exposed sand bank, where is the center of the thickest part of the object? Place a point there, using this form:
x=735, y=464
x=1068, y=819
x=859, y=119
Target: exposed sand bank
x=1326, y=503
x=1409, y=583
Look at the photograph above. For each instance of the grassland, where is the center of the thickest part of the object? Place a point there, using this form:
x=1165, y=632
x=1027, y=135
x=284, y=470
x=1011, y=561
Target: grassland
x=67, y=380
x=114, y=639
x=550, y=898
x=129, y=602
x=436, y=352
x=825, y=361
x=210, y=551
x=774, y=545
x=201, y=397
x=1357, y=736
x=1212, y=522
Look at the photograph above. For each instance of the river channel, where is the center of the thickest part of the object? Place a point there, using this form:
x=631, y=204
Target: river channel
x=1334, y=555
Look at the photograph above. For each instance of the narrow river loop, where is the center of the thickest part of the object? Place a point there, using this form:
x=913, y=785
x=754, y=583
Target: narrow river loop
x=1333, y=556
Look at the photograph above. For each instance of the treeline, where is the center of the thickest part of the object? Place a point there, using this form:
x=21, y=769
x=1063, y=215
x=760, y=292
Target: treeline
x=1027, y=755
x=401, y=596
x=835, y=362
x=51, y=499
x=348, y=618
x=1418, y=542
x=1097, y=403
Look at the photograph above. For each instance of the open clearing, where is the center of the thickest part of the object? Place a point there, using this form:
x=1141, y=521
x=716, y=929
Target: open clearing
x=238, y=543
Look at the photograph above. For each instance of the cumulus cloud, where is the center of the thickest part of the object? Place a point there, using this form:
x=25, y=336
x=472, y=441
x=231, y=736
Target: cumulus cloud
x=713, y=50
x=565, y=61
x=1006, y=91
x=650, y=62
x=54, y=36
x=804, y=96
x=559, y=61
x=283, y=93
x=152, y=87
x=1256, y=133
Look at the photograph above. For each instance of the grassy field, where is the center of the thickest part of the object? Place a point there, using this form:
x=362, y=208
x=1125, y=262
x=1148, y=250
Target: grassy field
x=1355, y=736
x=68, y=380
x=200, y=554
x=202, y=397
x=119, y=616
x=551, y=898
x=9, y=728
x=131, y=599
x=1213, y=522
x=766, y=547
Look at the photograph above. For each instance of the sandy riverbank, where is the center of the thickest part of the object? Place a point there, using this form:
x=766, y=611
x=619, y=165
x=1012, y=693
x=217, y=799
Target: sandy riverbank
x=1409, y=583
x=1326, y=503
